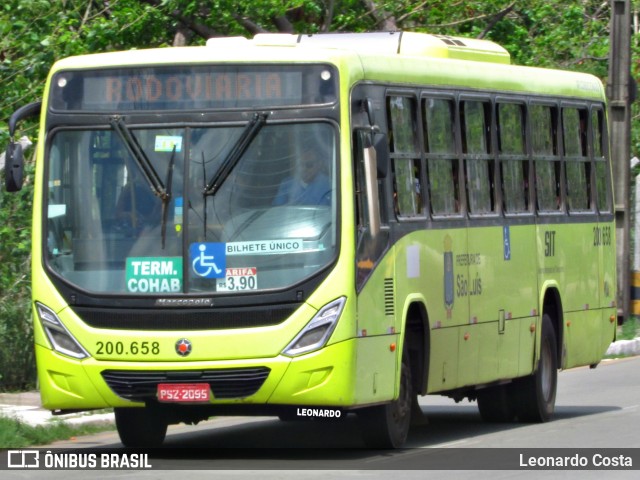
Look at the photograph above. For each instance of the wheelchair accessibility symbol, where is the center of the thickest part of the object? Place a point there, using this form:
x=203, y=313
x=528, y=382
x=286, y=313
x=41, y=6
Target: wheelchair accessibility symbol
x=208, y=259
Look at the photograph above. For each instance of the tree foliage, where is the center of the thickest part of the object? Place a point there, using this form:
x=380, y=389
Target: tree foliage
x=570, y=34
x=34, y=33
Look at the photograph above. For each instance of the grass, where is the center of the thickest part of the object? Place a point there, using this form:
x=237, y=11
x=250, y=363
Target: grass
x=17, y=434
x=629, y=329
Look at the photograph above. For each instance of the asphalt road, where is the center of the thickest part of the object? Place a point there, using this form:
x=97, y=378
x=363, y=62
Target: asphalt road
x=595, y=409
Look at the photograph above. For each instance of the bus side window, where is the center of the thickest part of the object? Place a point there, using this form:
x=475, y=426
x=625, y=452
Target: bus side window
x=406, y=164
x=513, y=162
x=543, y=121
x=475, y=121
x=603, y=196
x=439, y=125
x=577, y=166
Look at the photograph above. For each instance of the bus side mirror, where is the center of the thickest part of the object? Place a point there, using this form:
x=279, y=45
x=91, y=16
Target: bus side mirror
x=14, y=158
x=13, y=167
x=371, y=185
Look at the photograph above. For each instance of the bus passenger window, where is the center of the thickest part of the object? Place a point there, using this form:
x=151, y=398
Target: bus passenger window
x=407, y=167
x=599, y=153
x=442, y=161
x=577, y=166
x=513, y=162
x=543, y=121
x=476, y=146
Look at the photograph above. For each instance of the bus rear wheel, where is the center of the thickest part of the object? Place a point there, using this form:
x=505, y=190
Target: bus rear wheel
x=536, y=394
x=387, y=426
x=140, y=427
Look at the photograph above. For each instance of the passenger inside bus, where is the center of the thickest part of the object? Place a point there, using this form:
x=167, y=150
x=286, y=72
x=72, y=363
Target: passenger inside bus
x=136, y=206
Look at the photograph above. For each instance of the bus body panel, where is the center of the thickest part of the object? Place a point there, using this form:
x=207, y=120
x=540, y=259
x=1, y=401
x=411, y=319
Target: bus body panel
x=496, y=301
x=483, y=353
x=426, y=268
x=586, y=328
x=377, y=369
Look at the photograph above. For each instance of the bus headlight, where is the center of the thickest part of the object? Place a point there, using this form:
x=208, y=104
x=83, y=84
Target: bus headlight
x=60, y=338
x=316, y=333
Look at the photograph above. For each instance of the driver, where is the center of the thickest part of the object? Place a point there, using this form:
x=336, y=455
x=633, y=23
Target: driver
x=309, y=186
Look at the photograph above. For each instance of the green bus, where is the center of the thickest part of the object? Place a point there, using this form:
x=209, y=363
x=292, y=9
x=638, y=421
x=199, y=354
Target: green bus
x=313, y=226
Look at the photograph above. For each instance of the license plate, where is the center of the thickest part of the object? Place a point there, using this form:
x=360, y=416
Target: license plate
x=184, y=392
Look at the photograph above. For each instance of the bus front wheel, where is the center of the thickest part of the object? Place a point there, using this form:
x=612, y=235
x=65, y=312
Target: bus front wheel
x=140, y=427
x=387, y=426
x=536, y=394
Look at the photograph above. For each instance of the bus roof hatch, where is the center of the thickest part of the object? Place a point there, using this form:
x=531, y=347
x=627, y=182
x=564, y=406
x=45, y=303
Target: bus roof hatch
x=389, y=43
x=411, y=43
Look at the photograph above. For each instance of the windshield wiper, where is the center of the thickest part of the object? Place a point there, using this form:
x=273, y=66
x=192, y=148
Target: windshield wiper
x=249, y=133
x=157, y=187
x=167, y=196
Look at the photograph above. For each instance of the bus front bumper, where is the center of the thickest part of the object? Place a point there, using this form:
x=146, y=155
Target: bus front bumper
x=322, y=378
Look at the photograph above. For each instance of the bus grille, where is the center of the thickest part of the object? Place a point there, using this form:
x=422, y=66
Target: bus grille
x=163, y=319
x=228, y=383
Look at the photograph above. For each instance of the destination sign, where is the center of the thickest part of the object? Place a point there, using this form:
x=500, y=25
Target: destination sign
x=193, y=88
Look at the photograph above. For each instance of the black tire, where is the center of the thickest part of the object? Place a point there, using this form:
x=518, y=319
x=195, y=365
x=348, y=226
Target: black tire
x=387, y=426
x=536, y=393
x=497, y=404
x=140, y=427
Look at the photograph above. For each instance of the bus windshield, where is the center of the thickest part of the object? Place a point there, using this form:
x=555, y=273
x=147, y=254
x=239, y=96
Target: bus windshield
x=135, y=214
